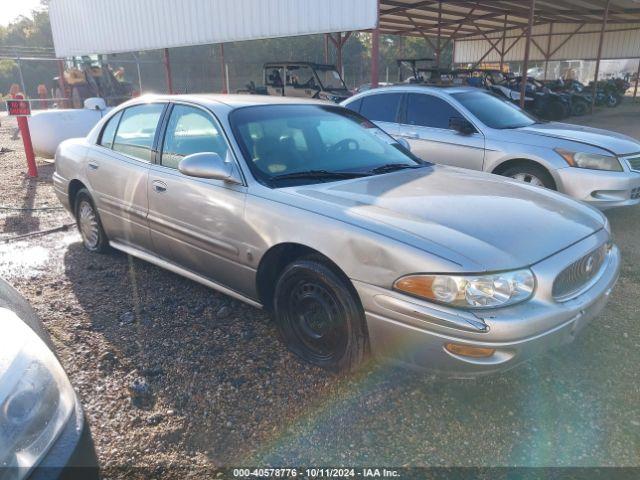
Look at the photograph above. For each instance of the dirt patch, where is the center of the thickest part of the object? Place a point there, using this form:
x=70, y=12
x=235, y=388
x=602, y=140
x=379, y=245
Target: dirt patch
x=173, y=374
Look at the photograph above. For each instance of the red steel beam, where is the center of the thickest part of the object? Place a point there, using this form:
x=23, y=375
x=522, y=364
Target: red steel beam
x=600, y=44
x=527, y=51
x=375, y=52
x=635, y=89
x=504, y=39
x=548, y=54
x=225, y=87
x=167, y=71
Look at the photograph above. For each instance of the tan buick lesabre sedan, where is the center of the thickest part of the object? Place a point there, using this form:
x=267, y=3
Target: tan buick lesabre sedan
x=356, y=245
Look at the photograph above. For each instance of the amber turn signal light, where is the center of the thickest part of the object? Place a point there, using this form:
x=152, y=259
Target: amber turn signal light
x=469, y=351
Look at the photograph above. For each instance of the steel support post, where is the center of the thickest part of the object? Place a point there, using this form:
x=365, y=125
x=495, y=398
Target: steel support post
x=603, y=28
x=167, y=71
x=527, y=51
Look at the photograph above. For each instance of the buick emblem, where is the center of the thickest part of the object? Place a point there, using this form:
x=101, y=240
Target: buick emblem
x=588, y=267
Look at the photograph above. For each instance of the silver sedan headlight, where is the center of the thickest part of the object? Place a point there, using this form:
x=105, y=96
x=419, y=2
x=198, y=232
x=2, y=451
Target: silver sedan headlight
x=470, y=291
x=36, y=398
x=592, y=161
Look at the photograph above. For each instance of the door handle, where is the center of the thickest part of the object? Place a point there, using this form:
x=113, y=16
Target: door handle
x=93, y=165
x=159, y=186
x=412, y=135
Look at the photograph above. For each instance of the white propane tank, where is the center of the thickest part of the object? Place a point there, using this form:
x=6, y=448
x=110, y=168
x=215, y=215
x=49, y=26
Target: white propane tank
x=50, y=127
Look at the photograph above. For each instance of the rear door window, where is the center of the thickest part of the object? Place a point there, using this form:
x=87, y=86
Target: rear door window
x=109, y=131
x=428, y=111
x=381, y=107
x=137, y=131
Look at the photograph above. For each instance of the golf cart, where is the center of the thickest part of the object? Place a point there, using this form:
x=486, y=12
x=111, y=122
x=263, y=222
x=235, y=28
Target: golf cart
x=301, y=79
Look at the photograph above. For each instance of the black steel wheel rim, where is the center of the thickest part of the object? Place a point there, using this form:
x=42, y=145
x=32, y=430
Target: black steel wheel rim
x=317, y=319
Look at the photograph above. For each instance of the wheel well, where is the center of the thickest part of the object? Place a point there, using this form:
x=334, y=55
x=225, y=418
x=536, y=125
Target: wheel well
x=275, y=260
x=503, y=167
x=74, y=187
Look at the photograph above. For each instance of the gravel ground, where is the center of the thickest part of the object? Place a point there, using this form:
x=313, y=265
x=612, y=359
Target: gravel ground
x=174, y=374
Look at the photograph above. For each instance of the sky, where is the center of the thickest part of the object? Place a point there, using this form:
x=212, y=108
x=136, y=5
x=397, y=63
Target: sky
x=10, y=9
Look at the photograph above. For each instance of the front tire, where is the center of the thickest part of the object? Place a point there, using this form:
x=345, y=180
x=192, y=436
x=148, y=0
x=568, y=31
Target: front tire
x=531, y=174
x=579, y=107
x=319, y=317
x=89, y=225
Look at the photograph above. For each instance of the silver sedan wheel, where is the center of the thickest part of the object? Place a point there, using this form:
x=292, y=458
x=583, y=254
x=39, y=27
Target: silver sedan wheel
x=88, y=223
x=528, y=178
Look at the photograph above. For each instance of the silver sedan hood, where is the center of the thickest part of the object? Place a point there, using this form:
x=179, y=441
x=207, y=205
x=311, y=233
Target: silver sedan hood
x=488, y=222
x=616, y=143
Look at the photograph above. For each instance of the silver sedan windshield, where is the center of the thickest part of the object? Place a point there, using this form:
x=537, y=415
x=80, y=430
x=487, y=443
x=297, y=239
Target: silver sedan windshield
x=311, y=143
x=493, y=111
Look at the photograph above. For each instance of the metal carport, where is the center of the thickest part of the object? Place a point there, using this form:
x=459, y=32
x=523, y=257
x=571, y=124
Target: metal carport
x=503, y=29
x=502, y=26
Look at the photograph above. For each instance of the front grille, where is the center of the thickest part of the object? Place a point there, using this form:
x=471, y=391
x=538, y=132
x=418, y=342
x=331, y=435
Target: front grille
x=578, y=275
x=634, y=163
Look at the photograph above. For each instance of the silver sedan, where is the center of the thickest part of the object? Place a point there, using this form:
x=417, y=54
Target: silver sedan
x=356, y=245
x=471, y=128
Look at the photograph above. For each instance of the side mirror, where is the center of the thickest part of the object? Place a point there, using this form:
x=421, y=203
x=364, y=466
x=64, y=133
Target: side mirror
x=461, y=125
x=207, y=165
x=403, y=142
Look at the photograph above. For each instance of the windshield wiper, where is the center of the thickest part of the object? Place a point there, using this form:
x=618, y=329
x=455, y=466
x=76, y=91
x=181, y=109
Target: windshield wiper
x=319, y=174
x=392, y=167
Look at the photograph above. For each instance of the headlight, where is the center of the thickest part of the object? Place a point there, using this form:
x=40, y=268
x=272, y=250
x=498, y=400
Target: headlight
x=470, y=291
x=590, y=160
x=36, y=398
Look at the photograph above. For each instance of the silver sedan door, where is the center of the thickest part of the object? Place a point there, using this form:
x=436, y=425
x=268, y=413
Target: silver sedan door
x=426, y=127
x=197, y=223
x=117, y=170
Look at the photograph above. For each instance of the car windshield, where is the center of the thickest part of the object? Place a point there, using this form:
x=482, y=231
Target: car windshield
x=493, y=111
x=330, y=78
x=298, y=144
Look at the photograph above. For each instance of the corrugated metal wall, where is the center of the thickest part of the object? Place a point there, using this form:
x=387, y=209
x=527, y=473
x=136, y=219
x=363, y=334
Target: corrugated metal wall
x=617, y=45
x=83, y=27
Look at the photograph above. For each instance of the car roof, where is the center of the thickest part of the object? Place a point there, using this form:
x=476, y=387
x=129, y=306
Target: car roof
x=232, y=101
x=446, y=89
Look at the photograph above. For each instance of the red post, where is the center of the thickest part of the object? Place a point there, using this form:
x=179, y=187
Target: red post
x=603, y=28
x=167, y=71
x=326, y=48
x=504, y=38
x=527, y=50
x=635, y=89
x=225, y=87
x=375, y=51
x=339, y=53
x=23, y=124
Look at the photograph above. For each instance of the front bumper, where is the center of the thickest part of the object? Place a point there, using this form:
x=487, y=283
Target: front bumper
x=600, y=189
x=414, y=332
x=73, y=454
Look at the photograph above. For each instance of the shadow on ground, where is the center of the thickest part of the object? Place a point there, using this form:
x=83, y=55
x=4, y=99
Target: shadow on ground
x=240, y=398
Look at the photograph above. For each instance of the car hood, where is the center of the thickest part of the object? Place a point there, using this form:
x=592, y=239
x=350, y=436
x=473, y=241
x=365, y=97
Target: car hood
x=482, y=222
x=616, y=143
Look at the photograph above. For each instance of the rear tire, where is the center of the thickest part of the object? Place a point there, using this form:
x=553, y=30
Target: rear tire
x=579, y=107
x=89, y=225
x=531, y=174
x=319, y=316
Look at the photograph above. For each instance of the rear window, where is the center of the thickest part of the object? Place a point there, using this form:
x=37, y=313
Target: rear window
x=381, y=107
